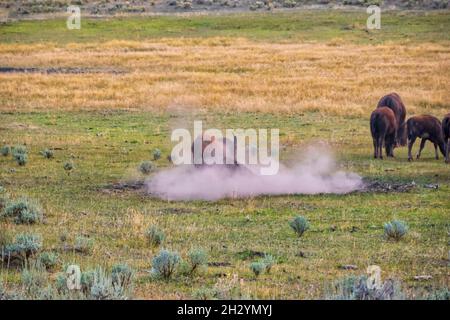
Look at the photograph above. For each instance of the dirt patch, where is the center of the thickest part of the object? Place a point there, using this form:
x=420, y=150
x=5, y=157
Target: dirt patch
x=59, y=70
x=124, y=186
x=385, y=187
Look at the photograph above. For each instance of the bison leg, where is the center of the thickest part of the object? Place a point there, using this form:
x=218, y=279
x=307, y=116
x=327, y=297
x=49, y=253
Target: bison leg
x=410, y=145
x=447, y=143
x=380, y=147
x=422, y=145
x=375, y=148
x=436, y=151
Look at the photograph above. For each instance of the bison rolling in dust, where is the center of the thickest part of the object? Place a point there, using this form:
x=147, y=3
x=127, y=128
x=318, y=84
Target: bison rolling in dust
x=425, y=127
x=395, y=103
x=383, y=126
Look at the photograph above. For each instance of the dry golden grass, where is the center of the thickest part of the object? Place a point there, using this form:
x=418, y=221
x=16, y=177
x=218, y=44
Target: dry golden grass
x=227, y=74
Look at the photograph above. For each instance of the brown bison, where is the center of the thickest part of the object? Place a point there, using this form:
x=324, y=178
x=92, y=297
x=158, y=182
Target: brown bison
x=395, y=103
x=446, y=133
x=425, y=127
x=224, y=144
x=383, y=126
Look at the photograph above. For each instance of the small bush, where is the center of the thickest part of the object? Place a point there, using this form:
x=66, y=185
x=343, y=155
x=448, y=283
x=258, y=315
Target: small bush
x=300, y=225
x=156, y=154
x=5, y=151
x=48, y=259
x=24, y=211
x=24, y=245
x=19, y=149
x=103, y=288
x=257, y=268
x=21, y=159
x=68, y=166
x=87, y=280
x=164, y=264
x=395, y=230
x=268, y=261
x=197, y=259
x=33, y=279
x=122, y=274
x=355, y=288
x=154, y=236
x=83, y=244
x=204, y=294
x=146, y=167
x=47, y=153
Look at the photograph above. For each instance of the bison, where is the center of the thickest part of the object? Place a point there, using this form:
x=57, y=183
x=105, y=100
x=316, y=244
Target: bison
x=395, y=103
x=425, y=127
x=446, y=133
x=383, y=126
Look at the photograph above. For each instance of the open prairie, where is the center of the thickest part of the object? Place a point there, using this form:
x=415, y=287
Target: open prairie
x=104, y=97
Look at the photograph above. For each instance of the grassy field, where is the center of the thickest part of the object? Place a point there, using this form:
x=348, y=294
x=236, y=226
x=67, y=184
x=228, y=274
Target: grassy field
x=305, y=73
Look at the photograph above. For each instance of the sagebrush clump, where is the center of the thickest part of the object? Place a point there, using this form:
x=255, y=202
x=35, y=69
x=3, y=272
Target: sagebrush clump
x=20, y=155
x=154, y=236
x=48, y=259
x=68, y=166
x=24, y=211
x=122, y=274
x=156, y=154
x=47, y=153
x=300, y=225
x=257, y=268
x=103, y=287
x=197, y=258
x=84, y=244
x=146, y=167
x=356, y=288
x=5, y=150
x=395, y=230
x=269, y=261
x=164, y=264
x=24, y=246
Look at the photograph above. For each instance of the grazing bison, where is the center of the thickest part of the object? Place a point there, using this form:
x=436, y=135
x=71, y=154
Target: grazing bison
x=425, y=127
x=383, y=126
x=446, y=133
x=395, y=103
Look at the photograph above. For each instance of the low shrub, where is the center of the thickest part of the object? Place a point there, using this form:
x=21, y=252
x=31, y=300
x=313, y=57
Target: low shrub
x=24, y=211
x=355, y=288
x=103, y=288
x=269, y=261
x=24, y=246
x=300, y=225
x=84, y=244
x=197, y=258
x=146, y=167
x=47, y=153
x=395, y=230
x=48, y=259
x=164, y=264
x=156, y=154
x=5, y=150
x=154, y=236
x=68, y=166
x=257, y=268
x=122, y=274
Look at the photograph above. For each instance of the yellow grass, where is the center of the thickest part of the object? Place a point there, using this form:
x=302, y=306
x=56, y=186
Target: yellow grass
x=227, y=74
